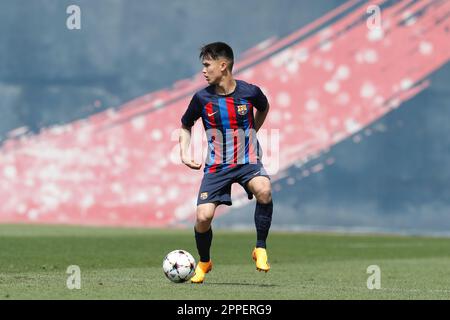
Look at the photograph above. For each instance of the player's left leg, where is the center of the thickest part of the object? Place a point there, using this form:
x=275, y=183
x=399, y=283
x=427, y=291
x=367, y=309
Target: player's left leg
x=260, y=186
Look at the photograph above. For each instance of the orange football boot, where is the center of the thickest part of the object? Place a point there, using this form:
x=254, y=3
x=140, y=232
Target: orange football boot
x=259, y=255
x=200, y=271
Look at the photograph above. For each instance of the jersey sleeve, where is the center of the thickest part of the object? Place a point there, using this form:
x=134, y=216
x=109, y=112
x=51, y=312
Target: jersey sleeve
x=259, y=99
x=193, y=112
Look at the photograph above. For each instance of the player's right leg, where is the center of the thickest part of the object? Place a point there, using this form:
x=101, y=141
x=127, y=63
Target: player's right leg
x=215, y=189
x=203, y=239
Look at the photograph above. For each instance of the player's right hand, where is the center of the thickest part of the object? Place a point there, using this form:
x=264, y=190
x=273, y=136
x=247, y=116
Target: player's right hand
x=191, y=163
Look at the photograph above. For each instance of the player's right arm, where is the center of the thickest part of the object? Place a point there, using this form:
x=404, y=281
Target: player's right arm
x=185, y=141
x=191, y=115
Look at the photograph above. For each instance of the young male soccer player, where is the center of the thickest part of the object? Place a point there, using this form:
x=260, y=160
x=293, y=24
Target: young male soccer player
x=226, y=107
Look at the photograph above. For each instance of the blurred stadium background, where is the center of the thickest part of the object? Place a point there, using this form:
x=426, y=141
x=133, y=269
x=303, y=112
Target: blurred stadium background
x=89, y=117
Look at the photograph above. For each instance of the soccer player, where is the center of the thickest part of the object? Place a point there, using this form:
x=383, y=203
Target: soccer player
x=232, y=111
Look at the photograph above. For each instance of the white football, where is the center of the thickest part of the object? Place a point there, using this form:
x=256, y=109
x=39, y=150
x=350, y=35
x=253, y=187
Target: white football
x=179, y=266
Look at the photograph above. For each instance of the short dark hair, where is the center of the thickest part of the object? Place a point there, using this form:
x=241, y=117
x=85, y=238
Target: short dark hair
x=216, y=50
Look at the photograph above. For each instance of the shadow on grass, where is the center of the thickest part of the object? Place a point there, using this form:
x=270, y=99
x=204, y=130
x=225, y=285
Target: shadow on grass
x=242, y=284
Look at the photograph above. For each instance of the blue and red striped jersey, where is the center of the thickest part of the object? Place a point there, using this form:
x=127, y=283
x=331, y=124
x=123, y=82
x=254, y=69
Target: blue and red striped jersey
x=229, y=124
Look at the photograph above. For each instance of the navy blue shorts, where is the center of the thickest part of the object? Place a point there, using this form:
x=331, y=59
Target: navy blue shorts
x=216, y=187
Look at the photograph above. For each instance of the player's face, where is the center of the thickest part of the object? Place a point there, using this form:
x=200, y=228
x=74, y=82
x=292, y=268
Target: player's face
x=213, y=69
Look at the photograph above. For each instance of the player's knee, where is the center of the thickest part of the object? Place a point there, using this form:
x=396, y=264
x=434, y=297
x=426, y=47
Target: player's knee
x=204, y=221
x=204, y=217
x=264, y=196
x=202, y=226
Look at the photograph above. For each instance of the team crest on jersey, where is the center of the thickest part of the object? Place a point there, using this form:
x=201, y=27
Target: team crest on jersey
x=203, y=195
x=242, y=109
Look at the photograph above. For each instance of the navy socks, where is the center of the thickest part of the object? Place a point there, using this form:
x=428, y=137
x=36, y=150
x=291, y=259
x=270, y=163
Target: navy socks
x=203, y=241
x=263, y=220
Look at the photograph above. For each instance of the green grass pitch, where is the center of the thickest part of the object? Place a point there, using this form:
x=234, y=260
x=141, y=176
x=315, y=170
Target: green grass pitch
x=126, y=264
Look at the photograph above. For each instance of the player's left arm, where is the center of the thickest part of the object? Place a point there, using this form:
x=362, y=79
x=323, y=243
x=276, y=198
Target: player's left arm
x=260, y=117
